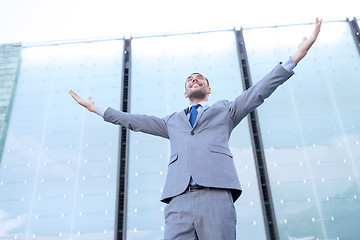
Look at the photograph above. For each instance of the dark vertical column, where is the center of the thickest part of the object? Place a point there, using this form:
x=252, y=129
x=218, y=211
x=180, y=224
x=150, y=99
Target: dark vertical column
x=121, y=205
x=258, y=149
x=356, y=32
x=10, y=57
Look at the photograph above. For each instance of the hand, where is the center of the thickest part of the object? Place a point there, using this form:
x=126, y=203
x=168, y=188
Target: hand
x=306, y=43
x=88, y=104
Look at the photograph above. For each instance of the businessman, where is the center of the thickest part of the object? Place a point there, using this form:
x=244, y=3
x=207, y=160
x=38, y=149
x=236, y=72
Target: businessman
x=202, y=183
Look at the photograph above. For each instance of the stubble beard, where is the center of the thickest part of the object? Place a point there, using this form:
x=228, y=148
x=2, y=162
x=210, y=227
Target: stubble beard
x=197, y=95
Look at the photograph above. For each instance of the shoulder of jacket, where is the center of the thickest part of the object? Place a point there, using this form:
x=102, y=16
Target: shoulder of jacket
x=171, y=115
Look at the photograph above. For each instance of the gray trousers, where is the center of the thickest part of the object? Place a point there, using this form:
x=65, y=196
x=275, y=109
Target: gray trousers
x=205, y=214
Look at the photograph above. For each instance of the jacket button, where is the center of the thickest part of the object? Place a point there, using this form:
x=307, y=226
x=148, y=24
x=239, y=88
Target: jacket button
x=192, y=133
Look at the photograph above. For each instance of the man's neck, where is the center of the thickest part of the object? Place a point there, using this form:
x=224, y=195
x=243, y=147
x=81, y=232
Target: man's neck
x=196, y=101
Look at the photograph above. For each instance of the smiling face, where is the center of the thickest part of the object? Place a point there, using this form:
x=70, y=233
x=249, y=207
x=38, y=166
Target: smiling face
x=197, y=88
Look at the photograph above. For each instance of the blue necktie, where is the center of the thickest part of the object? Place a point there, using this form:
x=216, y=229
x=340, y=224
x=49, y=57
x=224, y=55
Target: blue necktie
x=193, y=114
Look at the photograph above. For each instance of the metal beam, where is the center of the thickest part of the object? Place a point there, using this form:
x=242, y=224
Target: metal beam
x=258, y=149
x=122, y=183
x=355, y=31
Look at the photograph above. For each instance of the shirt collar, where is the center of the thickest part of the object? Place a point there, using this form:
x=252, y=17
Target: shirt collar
x=202, y=105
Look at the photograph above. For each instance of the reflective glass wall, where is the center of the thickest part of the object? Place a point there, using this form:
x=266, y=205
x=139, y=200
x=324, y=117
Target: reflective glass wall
x=59, y=167
x=160, y=67
x=311, y=131
x=9, y=64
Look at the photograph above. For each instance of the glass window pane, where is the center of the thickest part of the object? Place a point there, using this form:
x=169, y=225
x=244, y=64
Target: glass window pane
x=311, y=130
x=160, y=66
x=58, y=171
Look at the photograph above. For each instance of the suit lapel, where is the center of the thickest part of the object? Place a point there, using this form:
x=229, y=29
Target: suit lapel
x=185, y=118
x=199, y=116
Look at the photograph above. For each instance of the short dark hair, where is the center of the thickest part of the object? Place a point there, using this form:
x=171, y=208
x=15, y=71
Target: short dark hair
x=197, y=74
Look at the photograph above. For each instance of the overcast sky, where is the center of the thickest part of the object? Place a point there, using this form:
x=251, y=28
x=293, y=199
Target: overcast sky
x=55, y=20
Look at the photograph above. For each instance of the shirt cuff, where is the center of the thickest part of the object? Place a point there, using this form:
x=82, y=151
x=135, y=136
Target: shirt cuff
x=100, y=110
x=289, y=65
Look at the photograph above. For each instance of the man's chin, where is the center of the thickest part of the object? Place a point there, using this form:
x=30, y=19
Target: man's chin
x=197, y=95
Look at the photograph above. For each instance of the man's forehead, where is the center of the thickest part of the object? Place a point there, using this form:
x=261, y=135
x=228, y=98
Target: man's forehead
x=196, y=75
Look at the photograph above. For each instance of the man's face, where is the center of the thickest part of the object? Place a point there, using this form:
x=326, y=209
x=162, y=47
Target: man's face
x=197, y=87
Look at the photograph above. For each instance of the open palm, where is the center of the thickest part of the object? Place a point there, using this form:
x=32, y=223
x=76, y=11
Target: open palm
x=88, y=104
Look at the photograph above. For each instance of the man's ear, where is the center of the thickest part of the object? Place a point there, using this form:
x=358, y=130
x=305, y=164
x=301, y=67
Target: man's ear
x=209, y=90
x=185, y=95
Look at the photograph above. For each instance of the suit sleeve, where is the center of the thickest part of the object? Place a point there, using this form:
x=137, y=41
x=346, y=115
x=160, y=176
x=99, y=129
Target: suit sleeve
x=255, y=95
x=138, y=123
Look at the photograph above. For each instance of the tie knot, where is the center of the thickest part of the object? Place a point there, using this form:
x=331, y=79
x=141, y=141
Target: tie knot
x=196, y=106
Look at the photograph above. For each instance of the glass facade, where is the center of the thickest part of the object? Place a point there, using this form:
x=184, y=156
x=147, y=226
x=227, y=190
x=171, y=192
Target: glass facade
x=311, y=132
x=59, y=166
x=58, y=173
x=9, y=63
x=160, y=67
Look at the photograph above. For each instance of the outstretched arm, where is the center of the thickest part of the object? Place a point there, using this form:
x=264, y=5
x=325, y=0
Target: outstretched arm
x=136, y=122
x=255, y=96
x=307, y=43
x=88, y=104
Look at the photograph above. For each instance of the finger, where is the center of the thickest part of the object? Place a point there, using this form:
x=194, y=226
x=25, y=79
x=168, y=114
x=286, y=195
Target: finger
x=72, y=93
x=75, y=96
x=320, y=22
x=316, y=30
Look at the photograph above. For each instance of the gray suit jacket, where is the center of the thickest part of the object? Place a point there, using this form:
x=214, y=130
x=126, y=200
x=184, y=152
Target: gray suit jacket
x=202, y=152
